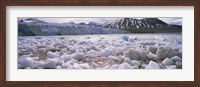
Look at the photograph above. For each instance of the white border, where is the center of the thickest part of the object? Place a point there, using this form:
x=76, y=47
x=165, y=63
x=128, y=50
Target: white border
x=186, y=74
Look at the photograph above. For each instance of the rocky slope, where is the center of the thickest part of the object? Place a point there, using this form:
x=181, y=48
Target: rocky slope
x=145, y=25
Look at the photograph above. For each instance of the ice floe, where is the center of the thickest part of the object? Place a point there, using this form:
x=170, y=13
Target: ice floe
x=132, y=51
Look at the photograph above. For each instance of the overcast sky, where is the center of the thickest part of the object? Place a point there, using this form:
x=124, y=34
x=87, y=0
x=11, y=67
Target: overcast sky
x=177, y=21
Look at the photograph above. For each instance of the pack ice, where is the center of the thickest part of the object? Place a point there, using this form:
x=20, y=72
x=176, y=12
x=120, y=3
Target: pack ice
x=112, y=51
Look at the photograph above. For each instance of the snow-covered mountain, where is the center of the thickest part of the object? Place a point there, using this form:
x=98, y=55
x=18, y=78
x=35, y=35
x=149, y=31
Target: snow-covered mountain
x=39, y=28
x=127, y=23
x=94, y=24
x=145, y=25
x=34, y=26
x=32, y=20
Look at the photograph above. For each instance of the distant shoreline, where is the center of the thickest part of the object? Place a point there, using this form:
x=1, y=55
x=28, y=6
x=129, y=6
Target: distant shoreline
x=36, y=27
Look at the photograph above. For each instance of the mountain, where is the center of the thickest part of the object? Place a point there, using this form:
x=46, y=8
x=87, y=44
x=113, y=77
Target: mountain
x=94, y=24
x=31, y=20
x=145, y=25
x=36, y=27
x=71, y=22
x=39, y=28
x=82, y=23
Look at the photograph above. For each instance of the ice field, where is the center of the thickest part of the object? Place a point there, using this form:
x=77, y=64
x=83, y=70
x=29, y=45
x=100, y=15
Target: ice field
x=110, y=51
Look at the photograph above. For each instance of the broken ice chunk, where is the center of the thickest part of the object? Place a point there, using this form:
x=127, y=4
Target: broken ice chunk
x=152, y=56
x=176, y=59
x=106, y=52
x=81, y=66
x=152, y=65
x=134, y=54
x=26, y=62
x=58, y=67
x=179, y=65
x=38, y=64
x=132, y=39
x=152, y=49
x=167, y=61
x=171, y=67
x=125, y=66
x=78, y=56
x=51, y=63
x=165, y=52
x=66, y=58
x=125, y=38
x=52, y=55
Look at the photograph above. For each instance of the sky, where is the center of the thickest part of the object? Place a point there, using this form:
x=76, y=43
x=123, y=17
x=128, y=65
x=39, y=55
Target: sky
x=177, y=21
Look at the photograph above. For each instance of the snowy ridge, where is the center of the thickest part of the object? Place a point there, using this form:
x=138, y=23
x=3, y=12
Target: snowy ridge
x=36, y=27
x=127, y=23
x=94, y=24
x=44, y=29
x=143, y=25
x=31, y=20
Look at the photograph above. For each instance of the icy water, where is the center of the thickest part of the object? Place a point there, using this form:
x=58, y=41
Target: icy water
x=111, y=51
